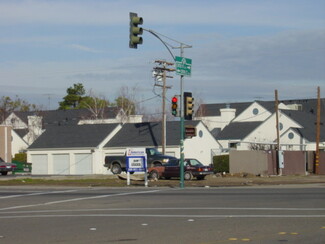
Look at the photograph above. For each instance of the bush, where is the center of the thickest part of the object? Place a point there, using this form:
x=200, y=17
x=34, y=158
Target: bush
x=221, y=163
x=20, y=157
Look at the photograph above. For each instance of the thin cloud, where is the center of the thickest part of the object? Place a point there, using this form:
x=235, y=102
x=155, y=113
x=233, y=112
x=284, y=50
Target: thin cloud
x=84, y=48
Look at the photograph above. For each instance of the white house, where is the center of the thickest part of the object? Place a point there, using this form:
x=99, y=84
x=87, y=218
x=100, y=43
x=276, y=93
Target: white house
x=254, y=124
x=28, y=126
x=71, y=149
x=81, y=149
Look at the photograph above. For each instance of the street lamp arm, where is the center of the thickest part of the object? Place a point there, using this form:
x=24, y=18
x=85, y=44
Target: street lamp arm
x=153, y=33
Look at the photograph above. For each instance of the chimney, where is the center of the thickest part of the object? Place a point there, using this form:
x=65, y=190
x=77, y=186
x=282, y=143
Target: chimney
x=227, y=114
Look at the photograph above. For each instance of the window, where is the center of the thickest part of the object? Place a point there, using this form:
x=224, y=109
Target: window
x=255, y=111
x=233, y=145
x=291, y=135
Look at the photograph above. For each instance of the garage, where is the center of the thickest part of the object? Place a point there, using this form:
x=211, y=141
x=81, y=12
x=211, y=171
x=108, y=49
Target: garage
x=61, y=164
x=83, y=163
x=40, y=164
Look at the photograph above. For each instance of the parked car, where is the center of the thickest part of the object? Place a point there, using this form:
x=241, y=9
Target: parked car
x=6, y=167
x=117, y=164
x=192, y=168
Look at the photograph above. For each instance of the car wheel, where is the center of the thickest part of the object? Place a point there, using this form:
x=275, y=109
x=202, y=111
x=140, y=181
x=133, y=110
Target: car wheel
x=188, y=175
x=116, y=169
x=154, y=175
x=201, y=177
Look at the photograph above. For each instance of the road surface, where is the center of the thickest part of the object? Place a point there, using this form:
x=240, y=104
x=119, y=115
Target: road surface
x=267, y=214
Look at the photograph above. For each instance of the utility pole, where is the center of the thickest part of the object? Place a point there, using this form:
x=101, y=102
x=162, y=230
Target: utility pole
x=160, y=73
x=278, y=169
x=317, y=132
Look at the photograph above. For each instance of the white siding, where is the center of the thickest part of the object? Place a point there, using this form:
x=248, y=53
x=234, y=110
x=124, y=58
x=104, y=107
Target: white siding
x=255, y=112
x=201, y=146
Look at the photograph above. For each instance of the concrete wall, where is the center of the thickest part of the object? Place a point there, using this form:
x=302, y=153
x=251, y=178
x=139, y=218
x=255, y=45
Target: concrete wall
x=265, y=162
x=253, y=162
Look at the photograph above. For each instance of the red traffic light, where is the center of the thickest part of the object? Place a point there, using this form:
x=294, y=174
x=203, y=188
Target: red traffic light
x=174, y=100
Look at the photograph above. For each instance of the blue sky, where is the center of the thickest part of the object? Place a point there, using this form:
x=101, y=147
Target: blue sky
x=242, y=50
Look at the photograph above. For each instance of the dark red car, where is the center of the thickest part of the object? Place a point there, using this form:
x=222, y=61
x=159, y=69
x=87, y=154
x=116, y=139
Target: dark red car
x=192, y=168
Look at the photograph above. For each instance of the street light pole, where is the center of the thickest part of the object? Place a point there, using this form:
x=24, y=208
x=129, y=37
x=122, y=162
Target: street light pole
x=182, y=46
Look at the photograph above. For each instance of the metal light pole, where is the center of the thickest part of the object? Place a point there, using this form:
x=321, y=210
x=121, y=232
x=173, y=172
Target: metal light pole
x=182, y=46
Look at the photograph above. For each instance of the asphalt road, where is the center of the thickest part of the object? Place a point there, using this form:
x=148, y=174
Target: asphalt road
x=266, y=214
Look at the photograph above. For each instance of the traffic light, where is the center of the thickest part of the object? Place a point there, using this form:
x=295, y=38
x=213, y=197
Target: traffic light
x=188, y=105
x=135, y=30
x=174, y=105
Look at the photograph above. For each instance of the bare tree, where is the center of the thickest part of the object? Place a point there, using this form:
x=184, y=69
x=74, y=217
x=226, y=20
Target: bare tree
x=95, y=104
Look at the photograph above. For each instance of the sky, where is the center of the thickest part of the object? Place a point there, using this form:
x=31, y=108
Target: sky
x=241, y=50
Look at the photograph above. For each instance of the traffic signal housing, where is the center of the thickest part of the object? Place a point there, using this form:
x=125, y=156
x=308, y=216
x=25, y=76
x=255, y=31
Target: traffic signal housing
x=135, y=30
x=188, y=105
x=174, y=105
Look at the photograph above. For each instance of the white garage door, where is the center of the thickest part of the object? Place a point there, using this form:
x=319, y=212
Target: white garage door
x=39, y=164
x=83, y=163
x=61, y=164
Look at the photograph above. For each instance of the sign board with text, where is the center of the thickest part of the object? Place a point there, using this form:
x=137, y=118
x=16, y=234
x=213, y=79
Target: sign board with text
x=183, y=66
x=136, y=160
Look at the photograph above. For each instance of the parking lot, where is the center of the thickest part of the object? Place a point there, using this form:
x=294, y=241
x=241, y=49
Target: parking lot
x=268, y=214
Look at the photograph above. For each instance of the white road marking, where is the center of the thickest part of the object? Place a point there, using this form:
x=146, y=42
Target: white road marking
x=36, y=194
x=79, y=199
x=164, y=216
x=146, y=209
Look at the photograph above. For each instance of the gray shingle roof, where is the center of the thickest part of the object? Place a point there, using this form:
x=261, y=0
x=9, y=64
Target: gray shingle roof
x=147, y=134
x=66, y=117
x=73, y=136
x=214, y=109
x=308, y=106
x=308, y=122
x=237, y=130
x=21, y=132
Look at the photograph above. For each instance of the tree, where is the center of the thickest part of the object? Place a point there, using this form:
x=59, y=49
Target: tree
x=95, y=104
x=74, y=97
x=126, y=100
x=127, y=105
x=8, y=105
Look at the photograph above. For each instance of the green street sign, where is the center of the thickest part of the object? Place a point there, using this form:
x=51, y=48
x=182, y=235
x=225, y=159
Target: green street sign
x=183, y=66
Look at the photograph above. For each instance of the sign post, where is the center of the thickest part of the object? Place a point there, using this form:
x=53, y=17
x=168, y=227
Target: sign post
x=136, y=161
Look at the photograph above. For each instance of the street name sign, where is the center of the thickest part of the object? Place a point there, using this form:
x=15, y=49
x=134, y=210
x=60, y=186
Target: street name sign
x=183, y=66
